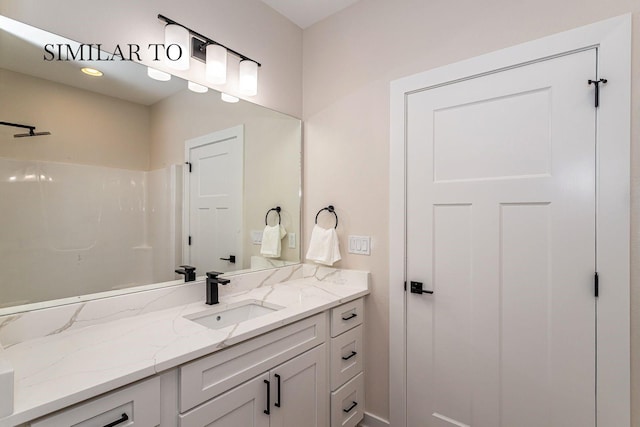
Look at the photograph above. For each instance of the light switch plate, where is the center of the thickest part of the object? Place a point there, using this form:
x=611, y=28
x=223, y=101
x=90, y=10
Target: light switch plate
x=256, y=237
x=360, y=245
x=292, y=240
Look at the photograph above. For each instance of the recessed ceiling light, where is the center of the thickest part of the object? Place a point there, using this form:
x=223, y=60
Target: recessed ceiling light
x=91, y=71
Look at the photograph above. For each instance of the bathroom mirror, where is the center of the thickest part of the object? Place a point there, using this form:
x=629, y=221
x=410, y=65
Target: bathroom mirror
x=102, y=202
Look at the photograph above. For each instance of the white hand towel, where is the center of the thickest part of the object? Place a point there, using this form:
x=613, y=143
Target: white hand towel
x=271, y=240
x=324, y=247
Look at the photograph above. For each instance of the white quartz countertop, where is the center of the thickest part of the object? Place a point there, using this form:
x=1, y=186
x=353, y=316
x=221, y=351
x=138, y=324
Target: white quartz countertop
x=59, y=370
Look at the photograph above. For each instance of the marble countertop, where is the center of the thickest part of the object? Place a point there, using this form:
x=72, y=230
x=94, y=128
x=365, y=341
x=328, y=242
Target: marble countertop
x=61, y=369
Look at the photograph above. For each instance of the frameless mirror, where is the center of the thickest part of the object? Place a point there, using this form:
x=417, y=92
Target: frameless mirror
x=107, y=200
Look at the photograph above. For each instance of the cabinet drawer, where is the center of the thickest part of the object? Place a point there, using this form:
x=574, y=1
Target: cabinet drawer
x=347, y=403
x=135, y=405
x=346, y=317
x=212, y=375
x=346, y=356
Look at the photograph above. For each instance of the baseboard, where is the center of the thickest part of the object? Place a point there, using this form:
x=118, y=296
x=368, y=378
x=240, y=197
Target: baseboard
x=371, y=420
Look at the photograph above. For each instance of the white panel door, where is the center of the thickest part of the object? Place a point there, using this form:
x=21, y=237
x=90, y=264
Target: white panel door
x=215, y=188
x=501, y=227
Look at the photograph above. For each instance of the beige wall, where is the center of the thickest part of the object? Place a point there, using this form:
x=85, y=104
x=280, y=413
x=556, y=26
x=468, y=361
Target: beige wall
x=247, y=26
x=80, y=122
x=271, y=155
x=349, y=61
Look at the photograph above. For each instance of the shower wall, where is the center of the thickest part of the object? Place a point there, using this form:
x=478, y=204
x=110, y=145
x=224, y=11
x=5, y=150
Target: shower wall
x=70, y=229
x=164, y=221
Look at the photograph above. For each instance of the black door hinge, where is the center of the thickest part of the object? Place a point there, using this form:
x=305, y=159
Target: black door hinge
x=596, y=285
x=405, y=286
x=597, y=85
x=189, y=240
x=190, y=166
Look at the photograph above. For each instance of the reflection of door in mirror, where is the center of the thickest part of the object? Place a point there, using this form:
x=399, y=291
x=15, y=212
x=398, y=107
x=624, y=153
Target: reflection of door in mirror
x=213, y=187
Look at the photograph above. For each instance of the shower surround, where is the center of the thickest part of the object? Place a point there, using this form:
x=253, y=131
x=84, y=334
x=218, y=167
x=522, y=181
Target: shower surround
x=71, y=229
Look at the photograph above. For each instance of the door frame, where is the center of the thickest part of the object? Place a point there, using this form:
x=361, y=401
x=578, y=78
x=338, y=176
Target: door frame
x=612, y=38
x=236, y=132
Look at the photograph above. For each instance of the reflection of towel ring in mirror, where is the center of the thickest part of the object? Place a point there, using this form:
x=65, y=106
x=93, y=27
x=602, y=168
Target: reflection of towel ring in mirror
x=277, y=209
x=331, y=209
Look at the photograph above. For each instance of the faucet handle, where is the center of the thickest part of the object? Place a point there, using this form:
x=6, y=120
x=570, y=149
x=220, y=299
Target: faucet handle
x=213, y=274
x=188, y=271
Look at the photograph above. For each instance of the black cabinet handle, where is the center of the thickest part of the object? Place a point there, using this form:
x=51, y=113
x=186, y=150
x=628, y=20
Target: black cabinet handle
x=277, y=403
x=267, y=411
x=353, y=353
x=350, y=408
x=122, y=419
x=350, y=317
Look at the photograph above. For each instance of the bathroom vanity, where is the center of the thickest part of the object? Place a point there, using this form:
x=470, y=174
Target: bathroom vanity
x=283, y=348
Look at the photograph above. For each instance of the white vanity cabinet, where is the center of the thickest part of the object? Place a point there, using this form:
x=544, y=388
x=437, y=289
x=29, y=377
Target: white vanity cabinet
x=305, y=374
x=347, y=376
x=278, y=379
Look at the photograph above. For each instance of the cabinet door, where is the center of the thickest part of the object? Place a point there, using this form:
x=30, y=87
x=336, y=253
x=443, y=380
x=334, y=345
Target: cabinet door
x=242, y=406
x=299, y=391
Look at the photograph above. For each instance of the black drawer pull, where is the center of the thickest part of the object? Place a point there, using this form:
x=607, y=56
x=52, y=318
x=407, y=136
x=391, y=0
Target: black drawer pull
x=350, y=317
x=122, y=419
x=277, y=404
x=350, y=408
x=267, y=411
x=353, y=353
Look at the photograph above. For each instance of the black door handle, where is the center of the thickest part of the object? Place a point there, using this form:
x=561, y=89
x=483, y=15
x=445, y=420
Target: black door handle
x=416, y=288
x=277, y=403
x=267, y=411
x=350, y=316
x=122, y=419
x=231, y=259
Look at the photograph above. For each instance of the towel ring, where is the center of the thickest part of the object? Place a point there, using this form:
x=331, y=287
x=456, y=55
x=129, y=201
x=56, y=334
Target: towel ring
x=277, y=209
x=331, y=209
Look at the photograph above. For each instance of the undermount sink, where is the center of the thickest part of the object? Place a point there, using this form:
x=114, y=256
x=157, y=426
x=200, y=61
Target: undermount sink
x=233, y=313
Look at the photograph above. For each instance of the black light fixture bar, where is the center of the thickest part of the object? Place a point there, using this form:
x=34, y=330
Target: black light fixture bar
x=206, y=39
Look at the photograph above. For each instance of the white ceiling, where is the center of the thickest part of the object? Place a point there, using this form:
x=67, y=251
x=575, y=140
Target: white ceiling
x=305, y=13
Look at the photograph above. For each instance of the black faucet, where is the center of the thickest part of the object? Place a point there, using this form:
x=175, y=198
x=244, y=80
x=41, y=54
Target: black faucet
x=188, y=272
x=212, y=286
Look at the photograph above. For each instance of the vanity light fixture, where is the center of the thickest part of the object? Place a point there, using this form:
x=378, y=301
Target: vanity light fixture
x=195, y=87
x=176, y=42
x=216, y=70
x=91, y=72
x=158, y=75
x=215, y=56
x=248, y=80
x=228, y=98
